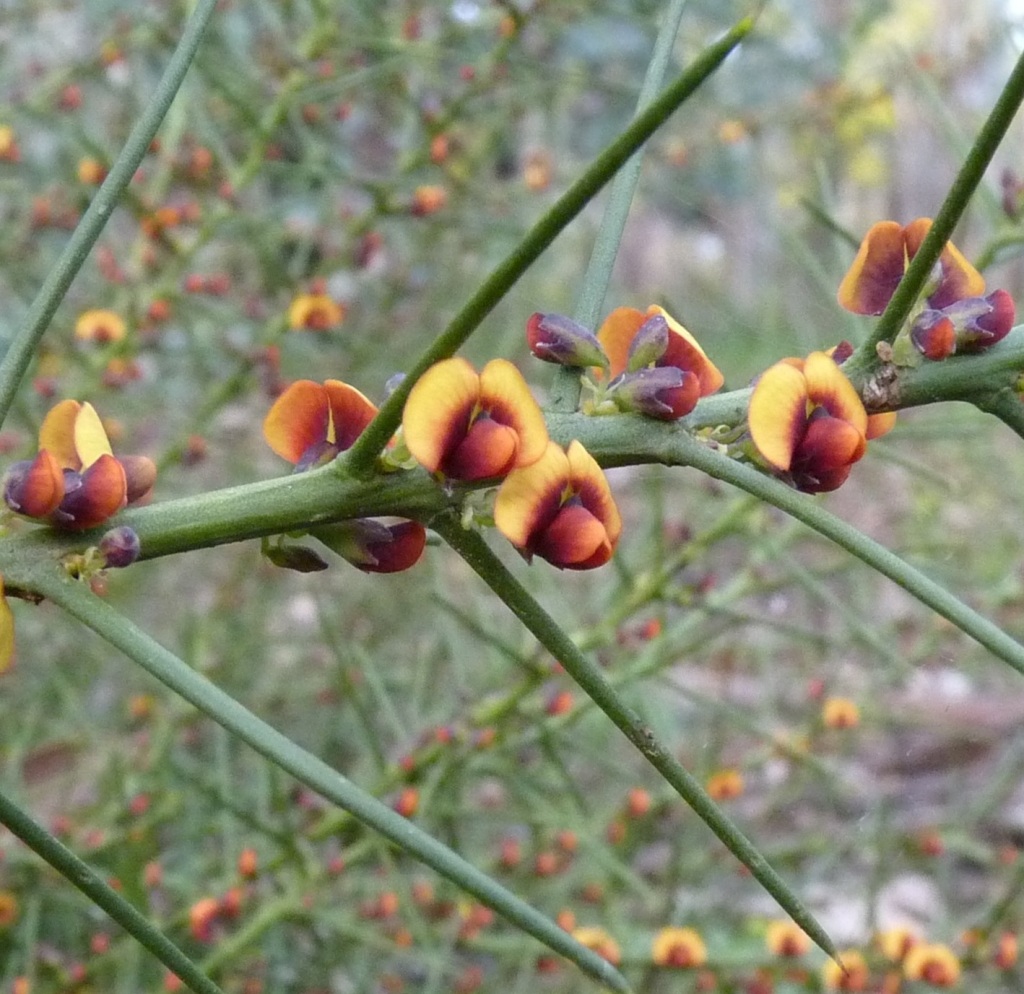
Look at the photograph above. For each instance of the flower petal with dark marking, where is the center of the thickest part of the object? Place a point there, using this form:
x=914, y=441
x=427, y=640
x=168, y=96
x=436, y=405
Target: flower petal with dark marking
x=778, y=414
x=34, y=487
x=876, y=270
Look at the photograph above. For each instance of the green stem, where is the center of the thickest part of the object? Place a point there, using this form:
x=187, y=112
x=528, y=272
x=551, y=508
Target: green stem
x=966, y=182
x=76, y=598
x=620, y=196
x=79, y=873
x=565, y=393
x=614, y=442
x=364, y=453
x=1007, y=406
x=16, y=361
x=546, y=630
x=329, y=494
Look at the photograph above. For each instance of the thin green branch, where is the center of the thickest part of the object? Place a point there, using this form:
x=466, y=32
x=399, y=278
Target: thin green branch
x=76, y=598
x=79, y=873
x=960, y=193
x=547, y=631
x=565, y=391
x=364, y=453
x=1007, y=406
x=620, y=196
x=16, y=361
x=624, y=441
x=329, y=494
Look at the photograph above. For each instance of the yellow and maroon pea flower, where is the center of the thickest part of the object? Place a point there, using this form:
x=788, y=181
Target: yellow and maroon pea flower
x=848, y=973
x=807, y=421
x=599, y=941
x=310, y=423
x=315, y=312
x=100, y=326
x=725, y=784
x=557, y=338
x=932, y=963
x=786, y=938
x=840, y=712
x=428, y=199
x=561, y=509
x=883, y=258
x=75, y=481
x=623, y=326
x=473, y=426
x=681, y=948
x=896, y=942
x=9, y=149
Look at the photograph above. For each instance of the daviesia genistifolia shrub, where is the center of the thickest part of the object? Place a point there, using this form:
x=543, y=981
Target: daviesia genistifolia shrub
x=463, y=471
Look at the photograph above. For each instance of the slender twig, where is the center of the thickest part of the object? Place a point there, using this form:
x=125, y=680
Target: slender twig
x=366, y=449
x=16, y=361
x=90, y=883
x=565, y=391
x=953, y=207
x=76, y=598
x=620, y=196
x=1007, y=406
x=674, y=447
x=549, y=633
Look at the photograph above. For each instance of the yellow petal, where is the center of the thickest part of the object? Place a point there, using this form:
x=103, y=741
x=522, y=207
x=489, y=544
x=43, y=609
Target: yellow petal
x=438, y=411
x=297, y=420
x=530, y=497
x=351, y=412
x=685, y=352
x=57, y=434
x=506, y=397
x=880, y=424
x=91, y=440
x=828, y=387
x=616, y=334
x=588, y=482
x=959, y=278
x=876, y=271
x=778, y=413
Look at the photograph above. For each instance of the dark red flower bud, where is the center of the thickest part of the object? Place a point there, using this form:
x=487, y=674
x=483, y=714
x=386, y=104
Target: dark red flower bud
x=982, y=321
x=649, y=343
x=933, y=335
x=34, y=487
x=664, y=392
x=556, y=338
x=120, y=547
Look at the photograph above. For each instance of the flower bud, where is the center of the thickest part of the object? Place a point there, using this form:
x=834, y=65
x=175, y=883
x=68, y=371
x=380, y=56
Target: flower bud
x=375, y=547
x=295, y=557
x=34, y=487
x=664, y=392
x=981, y=321
x=556, y=338
x=933, y=334
x=649, y=343
x=120, y=547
